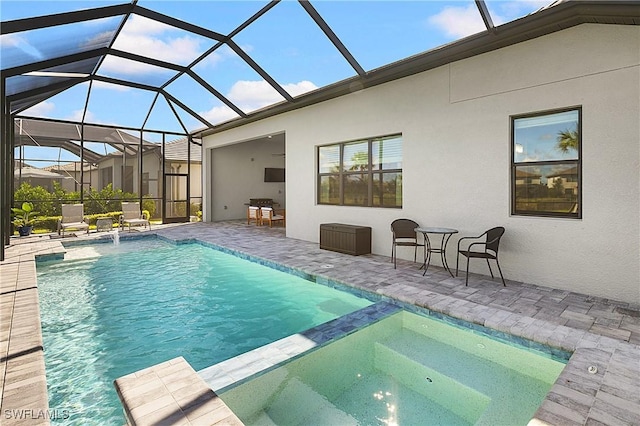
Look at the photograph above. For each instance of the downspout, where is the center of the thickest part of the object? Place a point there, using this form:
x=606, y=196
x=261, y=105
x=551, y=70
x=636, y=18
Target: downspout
x=82, y=162
x=164, y=181
x=7, y=174
x=189, y=176
x=140, y=194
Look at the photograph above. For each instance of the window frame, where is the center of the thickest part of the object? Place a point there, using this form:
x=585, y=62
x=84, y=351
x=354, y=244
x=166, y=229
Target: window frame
x=370, y=173
x=576, y=162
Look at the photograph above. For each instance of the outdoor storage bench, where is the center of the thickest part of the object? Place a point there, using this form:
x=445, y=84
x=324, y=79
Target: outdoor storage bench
x=350, y=239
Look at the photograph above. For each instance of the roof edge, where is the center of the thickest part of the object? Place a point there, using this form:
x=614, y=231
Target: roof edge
x=559, y=17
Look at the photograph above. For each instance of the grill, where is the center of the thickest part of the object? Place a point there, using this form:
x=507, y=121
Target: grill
x=261, y=202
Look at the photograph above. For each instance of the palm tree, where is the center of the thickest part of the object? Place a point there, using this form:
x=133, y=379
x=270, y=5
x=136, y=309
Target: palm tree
x=360, y=162
x=567, y=140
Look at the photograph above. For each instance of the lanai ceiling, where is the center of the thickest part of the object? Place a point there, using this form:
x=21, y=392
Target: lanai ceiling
x=43, y=56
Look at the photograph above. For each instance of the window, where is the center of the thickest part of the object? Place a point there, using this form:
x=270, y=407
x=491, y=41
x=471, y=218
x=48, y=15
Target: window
x=145, y=183
x=106, y=176
x=546, y=168
x=127, y=185
x=366, y=173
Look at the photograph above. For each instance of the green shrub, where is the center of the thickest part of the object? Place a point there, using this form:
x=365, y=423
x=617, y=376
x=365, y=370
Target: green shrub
x=149, y=205
x=195, y=209
x=49, y=223
x=41, y=199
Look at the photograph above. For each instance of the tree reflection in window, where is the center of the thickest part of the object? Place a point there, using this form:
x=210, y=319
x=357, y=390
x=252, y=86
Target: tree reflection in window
x=364, y=173
x=546, y=165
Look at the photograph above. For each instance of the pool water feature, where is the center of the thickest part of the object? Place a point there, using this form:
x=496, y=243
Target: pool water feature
x=405, y=369
x=108, y=311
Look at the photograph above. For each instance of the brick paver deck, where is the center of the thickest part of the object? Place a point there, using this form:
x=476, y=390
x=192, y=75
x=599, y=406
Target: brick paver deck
x=599, y=332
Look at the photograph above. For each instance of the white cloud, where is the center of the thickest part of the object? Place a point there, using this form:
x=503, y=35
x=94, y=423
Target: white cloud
x=144, y=26
x=109, y=86
x=10, y=40
x=156, y=40
x=42, y=109
x=458, y=22
x=88, y=118
x=515, y=9
x=219, y=114
x=100, y=39
x=222, y=53
x=295, y=89
x=120, y=66
x=15, y=41
x=252, y=95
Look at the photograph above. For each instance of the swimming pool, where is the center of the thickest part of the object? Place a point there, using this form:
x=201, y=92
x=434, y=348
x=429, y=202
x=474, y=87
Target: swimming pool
x=405, y=369
x=108, y=311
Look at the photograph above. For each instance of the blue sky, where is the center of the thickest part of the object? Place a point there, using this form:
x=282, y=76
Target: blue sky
x=285, y=42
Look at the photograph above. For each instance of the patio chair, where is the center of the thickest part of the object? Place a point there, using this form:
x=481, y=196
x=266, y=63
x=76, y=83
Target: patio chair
x=131, y=215
x=253, y=214
x=404, y=235
x=490, y=243
x=268, y=214
x=72, y=218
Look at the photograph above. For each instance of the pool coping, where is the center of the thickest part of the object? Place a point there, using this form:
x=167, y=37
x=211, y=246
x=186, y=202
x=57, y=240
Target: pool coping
x=581, y=394
x=237, y=370
x=24, y=398
x=611, y=395
x=171, y=393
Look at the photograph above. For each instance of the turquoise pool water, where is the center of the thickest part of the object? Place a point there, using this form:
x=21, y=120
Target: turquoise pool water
x=108, y=311
x=406, y=369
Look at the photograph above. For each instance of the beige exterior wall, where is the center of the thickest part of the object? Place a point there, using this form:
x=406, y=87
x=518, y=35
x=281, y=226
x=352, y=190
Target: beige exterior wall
x=455, y=126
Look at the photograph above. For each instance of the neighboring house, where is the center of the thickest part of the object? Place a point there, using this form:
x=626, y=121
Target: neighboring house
x=176, y=156
x=72, y=174
x=118, y=165
x=527, y=178
x=37, y=177
x=567, y=178
x=454, y=118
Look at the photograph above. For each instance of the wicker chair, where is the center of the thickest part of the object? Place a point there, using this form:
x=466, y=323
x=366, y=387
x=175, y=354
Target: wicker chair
x=490, y=241
x=404, y=235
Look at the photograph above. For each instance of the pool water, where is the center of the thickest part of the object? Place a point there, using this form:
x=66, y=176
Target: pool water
x=109, y=311
x=403, y=370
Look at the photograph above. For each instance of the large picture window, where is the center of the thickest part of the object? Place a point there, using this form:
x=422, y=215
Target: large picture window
x=366, y=173
x=546, y=169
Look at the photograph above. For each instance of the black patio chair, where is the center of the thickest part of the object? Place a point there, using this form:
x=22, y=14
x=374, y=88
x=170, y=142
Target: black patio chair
x=404, y=235
x=491, y=243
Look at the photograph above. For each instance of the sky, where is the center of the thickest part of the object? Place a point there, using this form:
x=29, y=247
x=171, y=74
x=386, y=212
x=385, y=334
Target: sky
x=285, y=42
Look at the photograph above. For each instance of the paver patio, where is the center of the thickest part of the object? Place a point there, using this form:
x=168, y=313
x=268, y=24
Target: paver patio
x=598, y=331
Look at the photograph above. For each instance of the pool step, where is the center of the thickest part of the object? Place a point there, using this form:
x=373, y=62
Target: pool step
x=468, y=369
x=445, y=391
x=298, y=403
x=480, y=346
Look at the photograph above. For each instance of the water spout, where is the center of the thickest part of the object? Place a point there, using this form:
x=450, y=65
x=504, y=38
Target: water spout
x=116, y=237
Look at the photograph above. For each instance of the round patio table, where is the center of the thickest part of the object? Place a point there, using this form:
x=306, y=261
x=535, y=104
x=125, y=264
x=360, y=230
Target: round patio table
x=446, y=234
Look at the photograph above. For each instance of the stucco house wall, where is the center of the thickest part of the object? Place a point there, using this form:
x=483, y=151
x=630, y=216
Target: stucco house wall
x=455, y=124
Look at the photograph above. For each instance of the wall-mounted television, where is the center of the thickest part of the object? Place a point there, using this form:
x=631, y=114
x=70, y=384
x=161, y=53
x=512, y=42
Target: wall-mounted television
x=273, y=174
